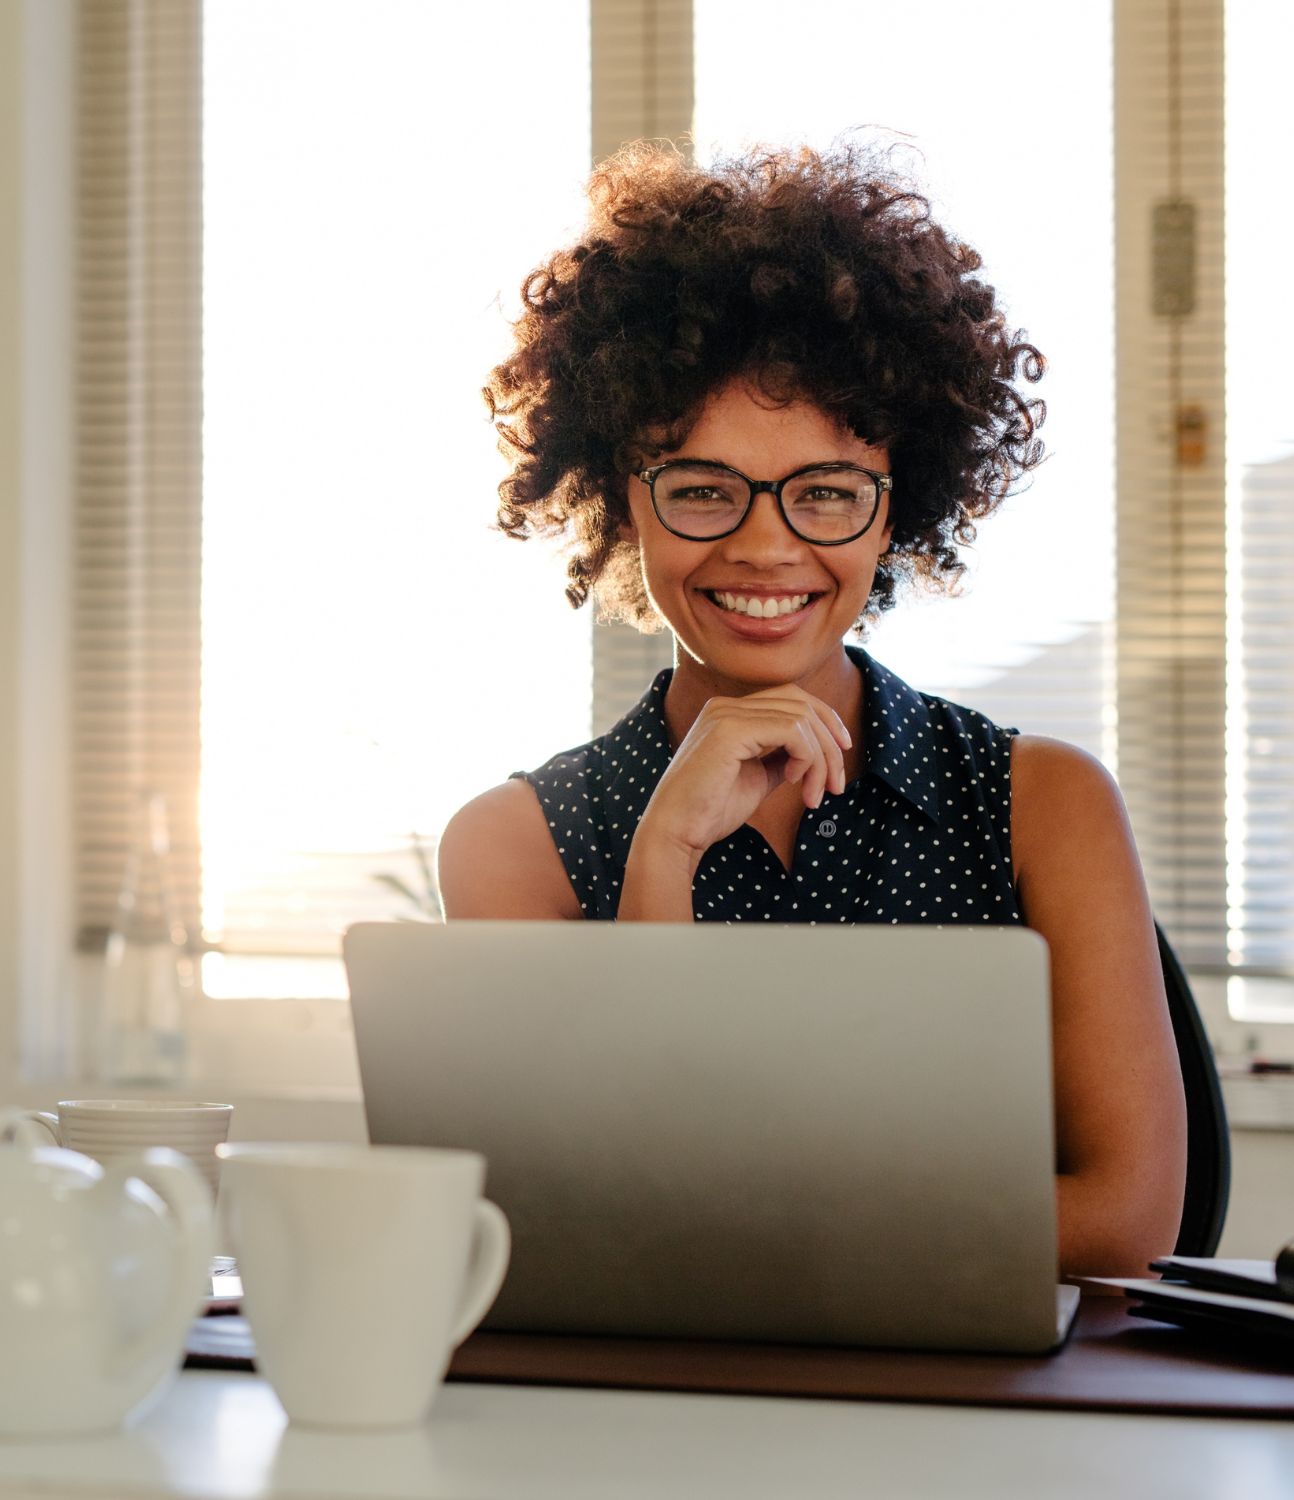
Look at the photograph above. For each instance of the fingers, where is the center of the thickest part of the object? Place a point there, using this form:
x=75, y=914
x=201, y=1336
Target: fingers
x=736, y=753
x=832, y=773
x=794, y=700
x=805, y=761
x=816, y=746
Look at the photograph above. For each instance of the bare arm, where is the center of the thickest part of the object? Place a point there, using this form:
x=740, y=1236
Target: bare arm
x=1120, y=1113
x=497, y=859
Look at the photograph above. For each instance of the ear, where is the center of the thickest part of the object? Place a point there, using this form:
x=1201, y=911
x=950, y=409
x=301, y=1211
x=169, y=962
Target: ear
x=627, y=531
x=887, y=531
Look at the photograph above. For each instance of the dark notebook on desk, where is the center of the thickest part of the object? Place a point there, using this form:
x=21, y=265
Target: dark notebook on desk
x=806, y=1135
x=1241, y=1298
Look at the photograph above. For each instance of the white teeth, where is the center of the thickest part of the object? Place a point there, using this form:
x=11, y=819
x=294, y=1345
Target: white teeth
x=761, y=609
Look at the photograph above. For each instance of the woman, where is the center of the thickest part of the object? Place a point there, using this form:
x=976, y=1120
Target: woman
x=755, y=399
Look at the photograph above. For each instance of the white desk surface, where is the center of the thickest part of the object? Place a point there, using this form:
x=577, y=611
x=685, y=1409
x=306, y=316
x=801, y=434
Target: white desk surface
x=224, y=1437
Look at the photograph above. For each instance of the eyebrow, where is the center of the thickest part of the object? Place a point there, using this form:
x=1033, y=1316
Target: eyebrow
x=813, y=463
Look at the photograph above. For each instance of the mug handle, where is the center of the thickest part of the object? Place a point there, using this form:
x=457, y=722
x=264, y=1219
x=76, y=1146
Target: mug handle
x=486, y=1269
x=184, y=1191
x=15, y=1127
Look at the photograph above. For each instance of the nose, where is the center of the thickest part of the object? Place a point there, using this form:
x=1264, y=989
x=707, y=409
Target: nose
x=763, y=535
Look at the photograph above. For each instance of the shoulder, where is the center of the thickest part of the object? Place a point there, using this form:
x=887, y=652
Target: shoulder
x=1067, y=813
x=581, y=766
x=1058, y=778
x=495, y=811
x=497, y=858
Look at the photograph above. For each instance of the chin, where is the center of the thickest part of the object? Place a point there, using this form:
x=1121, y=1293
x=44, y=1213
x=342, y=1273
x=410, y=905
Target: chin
x=760, y=665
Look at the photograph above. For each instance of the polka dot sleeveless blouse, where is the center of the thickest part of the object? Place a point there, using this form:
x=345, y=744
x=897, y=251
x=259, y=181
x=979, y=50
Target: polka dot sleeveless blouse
x=923, y=834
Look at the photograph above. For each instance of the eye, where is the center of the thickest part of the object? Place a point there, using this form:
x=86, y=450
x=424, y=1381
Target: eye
x=823, y=492
x=697, y=486
x=829, y=492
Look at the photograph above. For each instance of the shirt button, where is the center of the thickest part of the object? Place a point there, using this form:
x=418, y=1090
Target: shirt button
x=827, y=829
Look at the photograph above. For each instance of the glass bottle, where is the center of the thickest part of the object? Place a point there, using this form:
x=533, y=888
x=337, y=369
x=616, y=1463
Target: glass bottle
x=148, y=972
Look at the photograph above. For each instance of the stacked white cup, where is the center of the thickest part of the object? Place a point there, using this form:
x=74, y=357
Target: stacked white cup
x=108, y=1129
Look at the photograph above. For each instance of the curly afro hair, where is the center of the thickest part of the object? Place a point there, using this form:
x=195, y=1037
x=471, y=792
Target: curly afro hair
x=820, y=277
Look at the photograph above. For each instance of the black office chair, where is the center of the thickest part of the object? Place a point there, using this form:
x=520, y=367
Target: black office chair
x=1208, y=1142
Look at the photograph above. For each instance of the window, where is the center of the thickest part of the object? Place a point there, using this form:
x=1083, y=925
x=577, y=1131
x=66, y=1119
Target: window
x=372, y=653
x=355, y=164
x=1260, y=513
x=1027, y=642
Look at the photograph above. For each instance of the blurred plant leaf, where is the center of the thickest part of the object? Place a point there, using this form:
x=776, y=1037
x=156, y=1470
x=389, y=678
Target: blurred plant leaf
x=424, y=864
x=396, y=884
x=426, y=903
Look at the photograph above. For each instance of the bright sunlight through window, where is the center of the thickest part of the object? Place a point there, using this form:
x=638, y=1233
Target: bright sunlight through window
x=1260, y=509
x=373, y=653
x=1017, y=155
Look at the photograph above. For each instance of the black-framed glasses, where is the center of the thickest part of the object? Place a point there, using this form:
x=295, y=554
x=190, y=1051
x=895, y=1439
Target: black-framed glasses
x=826, y=504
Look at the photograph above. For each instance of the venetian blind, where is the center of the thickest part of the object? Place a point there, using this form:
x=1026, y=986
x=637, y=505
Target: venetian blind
x=641, y=89
x=1260, y=494
x=138, y=463
x=1171, y=632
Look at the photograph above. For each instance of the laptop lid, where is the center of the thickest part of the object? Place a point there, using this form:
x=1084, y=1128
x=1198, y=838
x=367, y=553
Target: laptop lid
x=802, y=1134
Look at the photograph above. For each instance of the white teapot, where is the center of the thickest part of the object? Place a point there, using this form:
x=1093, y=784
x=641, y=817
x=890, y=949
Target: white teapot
x=101, y=1273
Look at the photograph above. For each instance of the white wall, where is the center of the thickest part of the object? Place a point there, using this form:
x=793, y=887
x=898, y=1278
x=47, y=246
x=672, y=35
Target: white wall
x=10, y=387
x=1261, y=1215
x=11, y=93
x=37, y=245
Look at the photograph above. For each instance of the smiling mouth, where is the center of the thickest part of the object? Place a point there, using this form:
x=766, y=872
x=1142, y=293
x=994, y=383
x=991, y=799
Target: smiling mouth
x=759, y=606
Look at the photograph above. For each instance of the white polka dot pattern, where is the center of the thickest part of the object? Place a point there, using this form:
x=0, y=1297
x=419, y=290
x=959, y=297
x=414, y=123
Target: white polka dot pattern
x=922, y=835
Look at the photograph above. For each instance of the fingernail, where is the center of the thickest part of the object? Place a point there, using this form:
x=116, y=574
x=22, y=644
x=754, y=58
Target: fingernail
x=849, y=740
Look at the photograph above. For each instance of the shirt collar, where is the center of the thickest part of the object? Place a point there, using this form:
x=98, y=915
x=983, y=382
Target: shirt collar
x=899, y=734
x=636, y=751
x=900, y=739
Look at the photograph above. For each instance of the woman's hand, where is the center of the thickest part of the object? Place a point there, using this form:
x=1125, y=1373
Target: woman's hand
x=737, y=752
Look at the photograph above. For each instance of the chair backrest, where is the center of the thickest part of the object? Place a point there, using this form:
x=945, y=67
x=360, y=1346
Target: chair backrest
x=1208, y=1141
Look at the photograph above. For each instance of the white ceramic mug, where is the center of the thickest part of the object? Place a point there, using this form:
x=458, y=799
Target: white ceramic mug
x=363, y=1267
x=109, y=1129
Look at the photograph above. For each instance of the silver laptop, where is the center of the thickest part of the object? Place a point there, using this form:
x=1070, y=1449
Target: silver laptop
x=800, y=1134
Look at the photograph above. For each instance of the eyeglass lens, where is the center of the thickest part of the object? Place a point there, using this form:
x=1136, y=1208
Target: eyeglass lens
x=823, y=505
